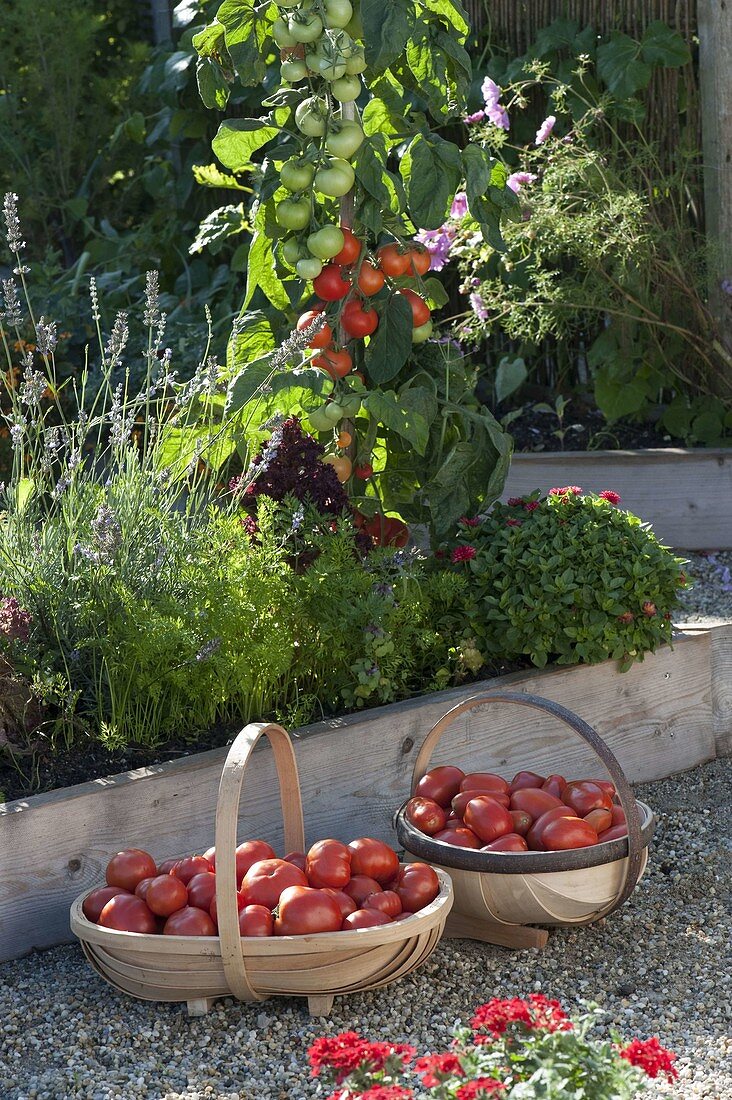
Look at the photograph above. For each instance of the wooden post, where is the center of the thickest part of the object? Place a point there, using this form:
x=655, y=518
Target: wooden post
x=160, y=13
x=715, y=66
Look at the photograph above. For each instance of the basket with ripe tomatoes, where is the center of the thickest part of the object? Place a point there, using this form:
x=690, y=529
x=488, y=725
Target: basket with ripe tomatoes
x=323, y=919
x=528, y=849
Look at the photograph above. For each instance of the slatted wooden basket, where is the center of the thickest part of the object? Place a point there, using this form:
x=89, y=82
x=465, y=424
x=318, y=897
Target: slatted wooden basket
x=499, y=895
x=198, y=969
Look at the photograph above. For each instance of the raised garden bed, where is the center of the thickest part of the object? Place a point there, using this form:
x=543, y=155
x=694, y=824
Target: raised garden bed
x=680, y=492
x=658, y=719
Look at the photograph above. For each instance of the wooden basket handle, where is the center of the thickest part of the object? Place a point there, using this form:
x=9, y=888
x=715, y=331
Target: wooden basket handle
x=227, y=815
x=588, y=735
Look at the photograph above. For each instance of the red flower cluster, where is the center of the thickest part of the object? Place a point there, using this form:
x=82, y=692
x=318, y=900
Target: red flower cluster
x=513, y=523
x=475, y=522
x=565, y=490
x=531, y=505
x=345, y=1052
x=463, y=553
x=434, y=1068
x=650, y=1056
x=514, y=502
x=479, y=1089
x=536, y=1013
x=610, y=496
x=376, y=1092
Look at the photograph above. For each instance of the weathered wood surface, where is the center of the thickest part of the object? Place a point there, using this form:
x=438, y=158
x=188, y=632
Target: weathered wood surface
x=721, y=658
x=354, y=772
x=684, y=494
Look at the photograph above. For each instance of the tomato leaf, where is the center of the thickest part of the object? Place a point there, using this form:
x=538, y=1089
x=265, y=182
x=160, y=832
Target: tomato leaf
x=246, y=27
x=238, y=138
x=210, y=175
x=387, y=25
x=431, y=169
x=261, y=267
x=620, y=66
x=212, y=85
x=453, y=13
x=252, y=338
x=391, y=344
x=217, y=227
x=407, y=414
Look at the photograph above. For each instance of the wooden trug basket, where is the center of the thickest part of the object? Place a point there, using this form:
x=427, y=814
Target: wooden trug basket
x=198, y=969
x=498, y=895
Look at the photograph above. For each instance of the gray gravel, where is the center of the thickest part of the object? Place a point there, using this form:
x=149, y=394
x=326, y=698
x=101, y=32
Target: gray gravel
x=710, y=598
x=662, y=965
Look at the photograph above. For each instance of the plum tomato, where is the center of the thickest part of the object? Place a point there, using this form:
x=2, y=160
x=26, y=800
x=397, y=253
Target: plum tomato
x=189, y=866
x=129, y=867
x=425, y=814
x=360, y=887
x=568, y=832
x=364, y=918
x=484, y=781
x=331, y=284
x=461, y=800
x=298, y=858
x=370, y=279
x=358, y=321
x=127, y=913
x=615, y=832
x=256, y=920
x=189, y=921
x=487, y=818
x=606, y=786
x=373, y=858
x=509, y=842
x=265, y=880
x=534, y=835
x=351, y=249
x=459, y=836
x=303, y=910
x=387, y=901
x=440, y=784
x=521, y=821
x=554, y=784
x=323, y=336
x=345, y=901
x=392, y=260
x=166, y=894
x=600, y=819
x=525, y=779
x=95, y=901
x=202, y=890
x=583, y=795
x=535, y=802
x=421, y=312
x=618, y=815
x=143, y=886
x=417, y=885
x=328, y=864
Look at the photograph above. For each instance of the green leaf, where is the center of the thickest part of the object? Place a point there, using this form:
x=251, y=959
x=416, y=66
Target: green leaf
x=238, y=138
x=246, y=28
x=261, y=268
x=387, y=25
x=454, y=14
x=217, y=227
x=377, y=118
x=620, y=66
x=211, y=40
x=558, y=35
x=212, y=85
x=391, y=344
x=431, y=169
x=252, y=381
x=370, y=167
x=252, y=339
x=660, y=45
x=23, y=492
x=510, y=374
x=437, y=296
x=406, y=414
x=179, y=446
x=210, y=175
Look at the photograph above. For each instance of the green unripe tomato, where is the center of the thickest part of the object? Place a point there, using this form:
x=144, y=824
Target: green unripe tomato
x=296, y=174
x=291, y=250
x=344, y=138
x=305, y=27
x=281, y=34
x=331, y=68
x=293, y=70
x=336, y=179
x=309, y=268
x=338, y=13
x=356, y=63
x=346, y=89
x=326, y=242
x=355, y=26
x=310, y=116
x=349, y=404
x=320, y=420
x=422, y=332
x=293, y=213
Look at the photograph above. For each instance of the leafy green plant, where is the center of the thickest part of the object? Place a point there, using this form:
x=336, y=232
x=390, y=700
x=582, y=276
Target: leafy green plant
x=568, y=578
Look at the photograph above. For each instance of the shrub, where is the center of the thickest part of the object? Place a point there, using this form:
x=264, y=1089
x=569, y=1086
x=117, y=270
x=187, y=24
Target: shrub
x=569, y=578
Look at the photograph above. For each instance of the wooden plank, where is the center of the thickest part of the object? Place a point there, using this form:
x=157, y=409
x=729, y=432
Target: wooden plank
x=684, y=494
x=355, y=771
x=722, y=688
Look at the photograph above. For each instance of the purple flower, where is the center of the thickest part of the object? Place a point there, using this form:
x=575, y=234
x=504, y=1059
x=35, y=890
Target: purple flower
x=517, y=180
x=726, y=286
x=479, y=306
x=491, y=92
x=478, y=116
x=438, y=243
x=459, y=206
x=15, y=623
x=498, y=115
x=545, y=129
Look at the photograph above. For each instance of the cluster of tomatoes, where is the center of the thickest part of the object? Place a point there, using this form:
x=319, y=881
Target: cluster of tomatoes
x=531, y=813
x=331, y=888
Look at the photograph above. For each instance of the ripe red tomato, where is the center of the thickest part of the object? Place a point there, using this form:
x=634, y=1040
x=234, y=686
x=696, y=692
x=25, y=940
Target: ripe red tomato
x=264, y=881
x=568, y=832
x=303, y=911
x=370, y=279
x=421, y=312
x=525, y=779
x=554, y=784
x=213, y=908
x=126, y=913
x=357, y=321
x=600, y=820
x=425, y=814
x=440, y=784
x=417, y=885
x=335, y=363
x=534, y=835
x=533, y=801
x=364, y=918
x=509, y=842
x=360, y=887
x=584, y=795
x=461, y=800
x=328, y=864
x=521, y=821
x=142, y=887
x=351, y=248
x=387, y=531
x=345, y=901
x=323, y=337
x=189, y=922
x=298, y=858
x=251, y=852
x=168, y=864
x=202, y=890
x=459, y=836
x=387, y=901
x=209, y=854
x=332, y=283
x=484, y=781
x=95, y=901
x=606, y=786
x=373, y=858
x=364, y=471
x=129, y=867
x=418, y=259
x=166, y=894
x=392, y=260
x=256, y=920
x=618, y=815
x=186, y=868
x=487, y=818
x=615, y=832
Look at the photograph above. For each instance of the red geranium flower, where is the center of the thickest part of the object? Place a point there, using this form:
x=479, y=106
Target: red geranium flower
x=609, y=496
x=463, y=553
x=479, y=1089
x=536, y=1013
x=345, y=1052
x=386, y=1092
x=650, y=1056
x=435, y=1068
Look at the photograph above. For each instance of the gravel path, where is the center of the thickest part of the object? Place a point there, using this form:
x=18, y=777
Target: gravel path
x=660, y=966
x=710, y=598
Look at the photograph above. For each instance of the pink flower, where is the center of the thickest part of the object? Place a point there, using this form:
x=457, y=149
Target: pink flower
x=513, y=523
x=651, y=1057
x=434, y=1068
x=463, y=553
x=545, y=129
x=491, y=92
x=479, y=1089
x=609, y=496
x=459, y=206
x=649, y=609
x=531, y=505
x=518, y=179
x=565, y=490
x=478, y=116
x=481, y=309
x=475, y=522
x=514, y=502
x=498, y=115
